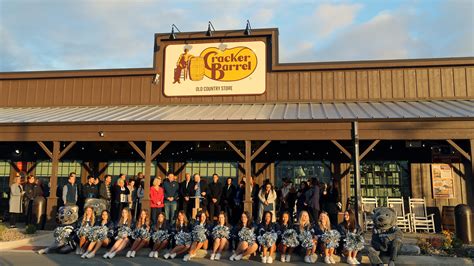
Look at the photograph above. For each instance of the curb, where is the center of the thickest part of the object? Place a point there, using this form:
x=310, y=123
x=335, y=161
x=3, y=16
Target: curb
x=8, y=245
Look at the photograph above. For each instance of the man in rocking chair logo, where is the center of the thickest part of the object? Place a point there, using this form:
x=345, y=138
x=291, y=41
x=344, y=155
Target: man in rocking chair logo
x=215, y=69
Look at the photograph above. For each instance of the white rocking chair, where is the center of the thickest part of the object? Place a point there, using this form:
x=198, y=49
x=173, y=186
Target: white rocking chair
x=403, y=220
x=368, y=207
x=420, y=219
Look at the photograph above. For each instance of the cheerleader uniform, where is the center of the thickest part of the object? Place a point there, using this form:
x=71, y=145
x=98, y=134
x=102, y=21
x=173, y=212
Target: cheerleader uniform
x=343, y=231
x=321, y=234
x=305, y=236
x=221, y=231
x=123, y=229
x=288, y=235
x=161, y=233
x=110, y=231
x=142, y=232
x=182, y=235
x=267, y=234
x=200, y=232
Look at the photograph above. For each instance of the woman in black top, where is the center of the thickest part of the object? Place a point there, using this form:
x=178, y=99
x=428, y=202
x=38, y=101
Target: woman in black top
x=245, y=233
x=288, y=237
x=160, y=236
x=123, y=232
x=200, y=234
x=267, y=236
x=350, y=234
x=182, y=236
x=103, y=233
x=120, y=198
x=330, y=199
x=221, y=235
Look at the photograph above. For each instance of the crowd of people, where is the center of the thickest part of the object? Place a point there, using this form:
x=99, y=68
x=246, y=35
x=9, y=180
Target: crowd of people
x=290, y=218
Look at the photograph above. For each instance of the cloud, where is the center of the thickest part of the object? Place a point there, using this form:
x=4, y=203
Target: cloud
x=329, y=18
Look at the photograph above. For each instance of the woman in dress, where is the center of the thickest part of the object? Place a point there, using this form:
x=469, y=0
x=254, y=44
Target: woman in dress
x=329, y=238
x=123, y=233
x=85, y=226
x=245, y=232
x=160, y=236
x=182, y=236
x=267, y=236
x=141, y=234
x=100, y=236
x=306, y=237
x=267, y=200
x=221, y=235
x=351, y=236
x=200, y=233
x=288, y=237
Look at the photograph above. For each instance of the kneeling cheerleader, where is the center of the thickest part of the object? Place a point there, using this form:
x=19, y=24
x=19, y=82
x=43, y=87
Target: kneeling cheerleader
x=100, y=235
x=288, y=237
x=221, y=235
x=123, y=233
x=160, y=236
x=328, y=236
x=306, y=237
x=182, y=236
x=245, y=232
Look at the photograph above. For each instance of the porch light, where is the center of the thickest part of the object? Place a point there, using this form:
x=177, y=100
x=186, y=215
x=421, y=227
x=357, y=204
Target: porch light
x=173, y=35
x=101, y=134
x=248, y=29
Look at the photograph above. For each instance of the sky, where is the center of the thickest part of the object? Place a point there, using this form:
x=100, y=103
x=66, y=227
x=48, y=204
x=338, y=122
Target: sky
x=102, y=34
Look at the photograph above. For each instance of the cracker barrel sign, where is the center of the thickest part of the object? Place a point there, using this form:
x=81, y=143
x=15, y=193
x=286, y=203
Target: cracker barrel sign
x=208, y=69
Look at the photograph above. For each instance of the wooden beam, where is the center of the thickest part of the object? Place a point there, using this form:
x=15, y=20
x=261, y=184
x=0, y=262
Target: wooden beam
x=88, y=168
x=368, y=149
x=15, y=167
x=459, y=149
x=135, y=147
x=180, y=169
x=348, y=154
x=102, y=170
x=236, y=149
x=260, y=149
x=32, y=167
x=260, y=171
x=45, y=149
x=159, y=150
x=162, y=169
x=248, y=174
x=146, y=197
x=68, y=147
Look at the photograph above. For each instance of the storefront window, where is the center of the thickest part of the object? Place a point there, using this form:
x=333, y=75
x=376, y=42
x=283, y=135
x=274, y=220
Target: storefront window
x=128, y=168
x=207, y=169
x=4, y=178
x=299, y=171
x=384, y=179
x=43, y=173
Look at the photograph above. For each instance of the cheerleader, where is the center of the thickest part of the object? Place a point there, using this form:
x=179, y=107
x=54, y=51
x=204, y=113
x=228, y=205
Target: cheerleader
x=306, y=237
x=100, y=235
x=182, y=236
x=123, y=233
x=85, y=226
x=329, y=238
x=267, y=237
x=160, y=236
x=288, y=237
x=351, y=235
x=141, y=234
x=221, y=235
x=199, y=235
x=246, y=237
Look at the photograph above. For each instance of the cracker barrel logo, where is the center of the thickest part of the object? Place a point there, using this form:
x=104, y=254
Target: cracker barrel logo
x=216, y=64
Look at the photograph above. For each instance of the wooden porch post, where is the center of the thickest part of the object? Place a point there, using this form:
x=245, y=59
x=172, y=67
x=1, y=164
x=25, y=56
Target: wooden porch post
x=248, y=175
x=470, y=179
x=52, y=202
x=146, y=197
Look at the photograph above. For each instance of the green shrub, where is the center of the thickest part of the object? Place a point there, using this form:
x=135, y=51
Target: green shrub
x=30, y=229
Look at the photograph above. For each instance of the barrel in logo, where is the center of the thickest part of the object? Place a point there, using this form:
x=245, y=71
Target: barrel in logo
x=196, y=68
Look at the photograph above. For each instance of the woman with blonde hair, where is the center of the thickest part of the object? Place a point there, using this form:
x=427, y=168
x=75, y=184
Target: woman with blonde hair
x=123, y=233
x=141, y=234
x=157, y=200
x=221, y=235
x=101, y=235
x=306, y=237
x=329, y=238
x=85, y=226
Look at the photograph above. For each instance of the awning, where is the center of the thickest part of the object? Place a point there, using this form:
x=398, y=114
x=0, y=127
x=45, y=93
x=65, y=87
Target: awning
x=337, y=111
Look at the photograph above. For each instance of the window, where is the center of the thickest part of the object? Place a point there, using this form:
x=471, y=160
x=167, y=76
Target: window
x=128, y=168
x=43, y=173
x=384, y=179
x=207, y=169
x=4, y=178
x=298, y=171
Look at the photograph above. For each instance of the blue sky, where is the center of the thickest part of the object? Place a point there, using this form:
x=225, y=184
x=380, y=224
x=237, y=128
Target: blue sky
x=96, y=34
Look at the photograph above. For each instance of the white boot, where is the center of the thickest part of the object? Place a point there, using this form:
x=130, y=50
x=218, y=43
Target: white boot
x=128, y=254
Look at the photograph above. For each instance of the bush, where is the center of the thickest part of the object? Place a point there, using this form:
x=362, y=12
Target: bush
x=30, y=229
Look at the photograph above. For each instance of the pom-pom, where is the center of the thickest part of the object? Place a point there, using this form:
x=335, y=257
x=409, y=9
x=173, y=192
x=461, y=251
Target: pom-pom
x=354, y=242
x=331, y=238
x=141, y=233
x=267, y=239
x=306, y=239
x=221, y=231
x=289, y=238
x=84, y=231
x=199, y=233
x=160, y=236
x=123, y=231
x=98, y=233
x=247, y=235
x=63, y=234
x=183, y=239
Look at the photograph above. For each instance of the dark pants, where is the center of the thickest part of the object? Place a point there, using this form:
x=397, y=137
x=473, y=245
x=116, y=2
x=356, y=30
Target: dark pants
x=333, y=218
x=13, y=218
x=116, y=211
x=228, y=211
x=29, y=213
x=188, y=207
x=214, y=209
x=314, y=214
x=154, y=215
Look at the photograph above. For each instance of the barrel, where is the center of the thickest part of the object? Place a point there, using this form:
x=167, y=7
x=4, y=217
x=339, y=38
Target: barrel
x=196, y=68
x=447, y=219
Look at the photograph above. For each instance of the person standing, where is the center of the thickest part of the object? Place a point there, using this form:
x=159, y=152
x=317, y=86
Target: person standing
x=312, y=199
x=330, y=201
x=16, y=200
x=171, y=188
x=90, y=189
x=228, y=195
x=29, y=197
x=186, y=190
x=267, y=200
x=157, y=197
x=133, y=194
x=139, y=198
x=254, y=189
x=199, y=191
x=214, y=194
x=120, y=201
x=70, y=191
x=105, y=190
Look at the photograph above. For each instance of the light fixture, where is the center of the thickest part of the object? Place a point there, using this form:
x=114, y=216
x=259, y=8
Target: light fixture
x=248, y=29
x=210, y=29
x=17, y=152
x=173, y=35
x=101, y=133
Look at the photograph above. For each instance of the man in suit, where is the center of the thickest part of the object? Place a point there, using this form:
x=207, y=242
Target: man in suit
x=254, y=195
x=214, y=195
x=200, y=190
x=186, y=190
x=228, y=196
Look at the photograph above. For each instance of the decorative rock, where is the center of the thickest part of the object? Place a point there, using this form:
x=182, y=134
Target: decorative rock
x=410, y=250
